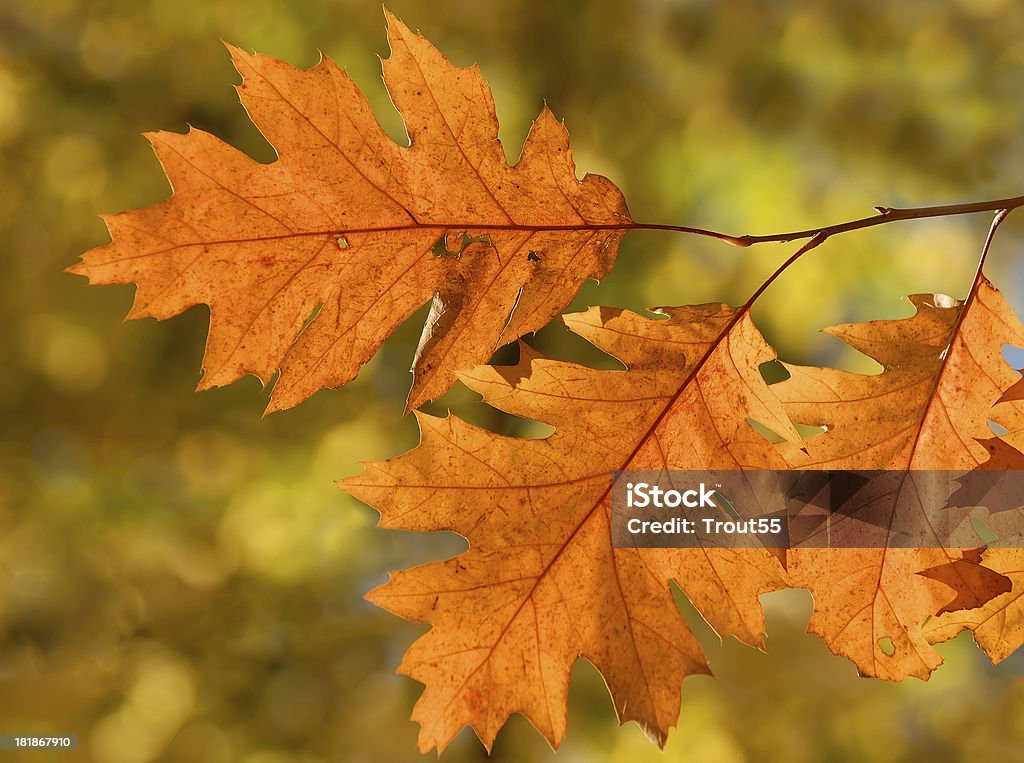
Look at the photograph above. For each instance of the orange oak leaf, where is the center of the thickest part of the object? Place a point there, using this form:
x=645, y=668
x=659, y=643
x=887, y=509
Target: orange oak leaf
x=998, y=624
x=541, y=584
x=1003, y=498
x=308, y=263
x=1014, y=394
x=1004, y=451
x=942, y=372
x=969, y=566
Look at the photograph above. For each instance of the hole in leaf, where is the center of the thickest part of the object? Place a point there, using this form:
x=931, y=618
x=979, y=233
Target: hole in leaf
x=1014, y=356
x=312, y=316
x=726, y=505
x=342, y=242
x=534, y=257
x=452, y=245
x=773, y=372
x=508, y=318
x=886, y=645
x=691, y=615
x=983, y=531
x=764, y=431
x=997, y=429
x=806, y=431
x=441, y=249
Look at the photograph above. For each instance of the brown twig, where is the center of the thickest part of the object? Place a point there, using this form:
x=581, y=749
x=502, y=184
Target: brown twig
x=819, y=235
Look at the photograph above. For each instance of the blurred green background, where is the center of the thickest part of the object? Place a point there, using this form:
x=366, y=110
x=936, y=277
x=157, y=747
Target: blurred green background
x=180, y=580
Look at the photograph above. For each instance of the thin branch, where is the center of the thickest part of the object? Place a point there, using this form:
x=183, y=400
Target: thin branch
x=816, y=240
x=818, y=236
x=996, y=222
x=741, y=241
x=885, y=215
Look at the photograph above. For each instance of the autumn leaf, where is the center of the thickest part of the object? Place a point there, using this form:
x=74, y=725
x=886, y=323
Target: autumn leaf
x=351, y=233
x=310, y=262
x=541, y=583
x=997, y=624
x=1013, y=394
x=942, y=372
x=1004, y=494
x=970, y=567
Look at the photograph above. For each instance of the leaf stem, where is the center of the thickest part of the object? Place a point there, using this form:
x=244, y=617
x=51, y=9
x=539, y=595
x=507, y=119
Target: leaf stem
x=885, y=215
x=996, y=222
x=817, y=235
x=816, y=240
